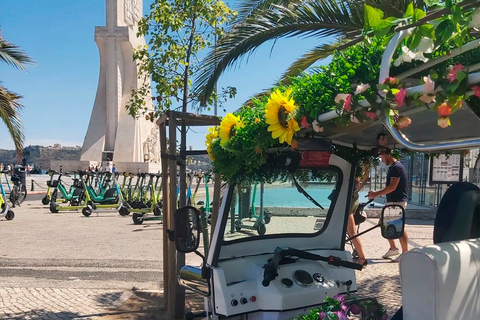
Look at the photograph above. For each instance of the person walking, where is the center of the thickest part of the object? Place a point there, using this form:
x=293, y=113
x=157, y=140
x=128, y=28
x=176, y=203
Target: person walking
x=360, y=181
x=114, y=168
x=396, y=191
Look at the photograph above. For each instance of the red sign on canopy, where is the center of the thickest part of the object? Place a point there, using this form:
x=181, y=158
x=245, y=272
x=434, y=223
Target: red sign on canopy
x=315, y=159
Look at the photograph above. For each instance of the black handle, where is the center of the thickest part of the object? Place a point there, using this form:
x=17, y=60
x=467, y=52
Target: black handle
x=269, y=274
x=336, y=261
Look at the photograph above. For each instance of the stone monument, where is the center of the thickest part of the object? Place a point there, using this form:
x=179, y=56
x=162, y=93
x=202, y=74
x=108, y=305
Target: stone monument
x=114, y=135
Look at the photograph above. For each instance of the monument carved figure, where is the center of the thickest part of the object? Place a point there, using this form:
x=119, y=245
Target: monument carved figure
x=113, y=135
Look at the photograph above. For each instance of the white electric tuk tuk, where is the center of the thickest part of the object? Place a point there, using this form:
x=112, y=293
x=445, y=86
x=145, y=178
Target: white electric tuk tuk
x=296, y=260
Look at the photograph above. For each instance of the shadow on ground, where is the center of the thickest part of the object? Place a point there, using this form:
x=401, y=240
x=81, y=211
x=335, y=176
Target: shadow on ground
x=386, y=289
x=143, y=305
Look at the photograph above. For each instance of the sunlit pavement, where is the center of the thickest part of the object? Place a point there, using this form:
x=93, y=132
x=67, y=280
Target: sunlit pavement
x=67, y=266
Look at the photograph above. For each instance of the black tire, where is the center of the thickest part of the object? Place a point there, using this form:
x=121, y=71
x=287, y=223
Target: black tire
x=261, y=229
x=13, y=196
x=45, y=200
x=53, y=208
x=267, y=217
x=87, y=211
x=123, y=211
x=10, y=215
x=137, y=218
x=238, y=224
x=22, y=194
x=157, y=211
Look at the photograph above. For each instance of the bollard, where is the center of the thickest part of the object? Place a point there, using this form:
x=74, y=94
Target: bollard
x=32, y=186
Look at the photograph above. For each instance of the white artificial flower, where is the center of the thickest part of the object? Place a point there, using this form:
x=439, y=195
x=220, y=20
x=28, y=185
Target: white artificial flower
x=406, y=56
x=426, y=45
x=361, y=88
x=341, y=97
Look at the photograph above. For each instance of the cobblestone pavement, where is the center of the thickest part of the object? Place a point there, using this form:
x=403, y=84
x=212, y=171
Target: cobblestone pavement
x=66, y=266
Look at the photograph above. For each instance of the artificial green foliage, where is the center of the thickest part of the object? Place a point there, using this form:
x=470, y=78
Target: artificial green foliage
x=315, y=92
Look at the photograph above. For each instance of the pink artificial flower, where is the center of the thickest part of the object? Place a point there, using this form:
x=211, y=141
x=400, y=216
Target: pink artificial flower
x=341, y=315
x=355, y=309
x=322, y=315
x=371, y=114
x=400, y=97
x=347, y=104
x=429, y=85
x=361, y=88
x=452, y=73
x=476, y=90
x=305, y=123
x=390, y=81
x=384, y=317
x=426, y=98
x=316, y=127
x=341, y=97
x=443, y=122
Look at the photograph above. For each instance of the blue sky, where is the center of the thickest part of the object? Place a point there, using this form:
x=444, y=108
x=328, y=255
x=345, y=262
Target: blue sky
x=59, y=89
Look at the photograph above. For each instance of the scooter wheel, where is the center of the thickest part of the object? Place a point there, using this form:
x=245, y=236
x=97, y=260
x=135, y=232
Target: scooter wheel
x=238, y=225
x=137, y=218
x=87, y=212
x=10, y=215
x=45, y=200
x=157, y=211
x=123, y=211
x=261, y=229
x=53, y=208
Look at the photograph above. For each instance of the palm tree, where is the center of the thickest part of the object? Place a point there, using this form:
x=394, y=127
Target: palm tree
x=259, y=21
x=9, y=101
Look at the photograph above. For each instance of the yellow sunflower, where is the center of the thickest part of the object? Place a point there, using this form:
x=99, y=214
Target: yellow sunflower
x=211, y=135
x=227, y=127
x=280, y=113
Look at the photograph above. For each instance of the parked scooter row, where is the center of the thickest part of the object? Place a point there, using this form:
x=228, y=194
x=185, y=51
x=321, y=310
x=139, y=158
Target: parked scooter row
x=89, y=192
x=141, y=193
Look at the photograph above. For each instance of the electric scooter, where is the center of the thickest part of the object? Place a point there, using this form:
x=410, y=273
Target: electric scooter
x=5, y=211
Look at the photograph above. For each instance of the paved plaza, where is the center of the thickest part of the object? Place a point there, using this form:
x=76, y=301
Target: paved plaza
x=66, y=266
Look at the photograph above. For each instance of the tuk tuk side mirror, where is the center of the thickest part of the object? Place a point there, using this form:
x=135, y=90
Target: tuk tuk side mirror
x=392, y=221
x=187, y=229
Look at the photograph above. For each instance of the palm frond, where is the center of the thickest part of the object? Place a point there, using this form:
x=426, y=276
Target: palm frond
x=306, y=19
x=318, y=53
x=13, y=55
x=9, y=113
x=249, y=8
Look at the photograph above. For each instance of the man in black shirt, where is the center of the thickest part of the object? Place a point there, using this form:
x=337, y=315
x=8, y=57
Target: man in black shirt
x=396, y=191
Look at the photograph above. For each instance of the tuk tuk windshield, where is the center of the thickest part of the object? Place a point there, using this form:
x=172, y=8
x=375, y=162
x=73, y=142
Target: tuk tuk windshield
x=279, y=207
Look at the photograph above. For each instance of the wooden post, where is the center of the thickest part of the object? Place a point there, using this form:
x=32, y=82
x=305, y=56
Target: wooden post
x=172, y=174
x=165, y=199
x=180, y=292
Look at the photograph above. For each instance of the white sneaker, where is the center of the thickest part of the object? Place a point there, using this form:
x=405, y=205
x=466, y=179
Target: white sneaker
x=391, y=253
x=397, y=259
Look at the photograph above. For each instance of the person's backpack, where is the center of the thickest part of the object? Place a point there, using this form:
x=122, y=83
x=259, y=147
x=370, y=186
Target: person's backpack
x=360, y=215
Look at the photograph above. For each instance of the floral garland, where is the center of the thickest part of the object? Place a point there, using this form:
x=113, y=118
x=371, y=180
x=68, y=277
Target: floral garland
x=340, y=307
x=391, y=95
